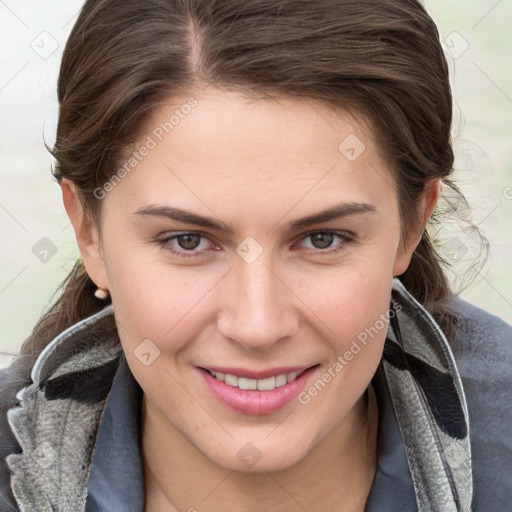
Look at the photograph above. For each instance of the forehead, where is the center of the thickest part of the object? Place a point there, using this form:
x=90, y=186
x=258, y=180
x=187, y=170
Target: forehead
x=225, y=146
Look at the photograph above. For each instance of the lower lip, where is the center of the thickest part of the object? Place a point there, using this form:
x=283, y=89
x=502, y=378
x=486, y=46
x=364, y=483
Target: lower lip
x=253, y=402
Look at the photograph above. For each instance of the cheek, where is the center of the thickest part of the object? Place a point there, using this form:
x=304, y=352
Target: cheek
x=351, y=307
x=154, y=300
x=352, y=296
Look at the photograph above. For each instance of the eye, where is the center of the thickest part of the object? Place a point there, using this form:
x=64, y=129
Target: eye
x=321, y=240
x=186, y=244
x=191, y=244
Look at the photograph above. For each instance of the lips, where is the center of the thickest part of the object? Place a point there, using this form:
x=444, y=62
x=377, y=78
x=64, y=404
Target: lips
x=256, y=402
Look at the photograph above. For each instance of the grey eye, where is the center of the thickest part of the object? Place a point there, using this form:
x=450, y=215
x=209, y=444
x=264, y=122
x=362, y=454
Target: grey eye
x=189, y=241
x=322, y=240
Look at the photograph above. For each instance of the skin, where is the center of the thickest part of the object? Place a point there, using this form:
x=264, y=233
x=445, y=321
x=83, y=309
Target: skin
x=256, y=166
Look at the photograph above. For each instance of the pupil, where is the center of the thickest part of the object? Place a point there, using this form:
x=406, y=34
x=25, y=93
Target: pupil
x=189, y=241
x=322, y=240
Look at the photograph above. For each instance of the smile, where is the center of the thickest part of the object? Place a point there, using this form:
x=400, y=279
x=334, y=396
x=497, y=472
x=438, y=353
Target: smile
x=256, y=397
x=261, y=384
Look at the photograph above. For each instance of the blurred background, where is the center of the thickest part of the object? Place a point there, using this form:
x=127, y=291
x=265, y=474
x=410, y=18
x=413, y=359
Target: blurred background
x=38, y=246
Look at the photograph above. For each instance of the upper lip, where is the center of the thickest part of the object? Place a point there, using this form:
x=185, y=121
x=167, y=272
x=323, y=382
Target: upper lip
x=256, y=374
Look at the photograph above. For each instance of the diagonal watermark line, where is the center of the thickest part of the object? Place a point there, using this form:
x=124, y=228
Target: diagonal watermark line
x=494, y=288
x=70, y=20
x=120, y=324
x=194, y=305
x=165, y=165
x=66, y=226
x=383, y=176
x=300, y=199
x=19, y=19
x=14, y=76
x=320, y=114
x=492, y=81
x=71, y=221
x=279, y=424
x=13, y=279
x=300, y=300
x=486, y=14
x=216, y=487
x=488, y=215
x=14, y=218
x=285, y=490
x=198, y=402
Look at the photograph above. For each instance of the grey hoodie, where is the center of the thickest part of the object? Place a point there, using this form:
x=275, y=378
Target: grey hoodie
x=70, y=421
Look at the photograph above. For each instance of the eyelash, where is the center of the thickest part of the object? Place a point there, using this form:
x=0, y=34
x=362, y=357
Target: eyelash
x=347, y=239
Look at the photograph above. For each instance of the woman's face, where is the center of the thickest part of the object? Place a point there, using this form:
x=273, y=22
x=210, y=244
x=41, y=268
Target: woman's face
x=256, y=237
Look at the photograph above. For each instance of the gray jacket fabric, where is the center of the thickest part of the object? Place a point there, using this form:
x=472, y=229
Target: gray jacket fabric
x=70, y=421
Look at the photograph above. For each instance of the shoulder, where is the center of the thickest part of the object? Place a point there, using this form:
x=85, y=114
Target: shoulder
x=481, y=322
x=482, y=347
x=12, y=379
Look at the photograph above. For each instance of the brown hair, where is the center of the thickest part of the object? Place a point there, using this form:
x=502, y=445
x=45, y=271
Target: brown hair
x=381, y=59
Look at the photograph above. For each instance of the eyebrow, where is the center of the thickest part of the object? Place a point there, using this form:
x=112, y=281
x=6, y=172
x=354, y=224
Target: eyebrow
x=335, y=212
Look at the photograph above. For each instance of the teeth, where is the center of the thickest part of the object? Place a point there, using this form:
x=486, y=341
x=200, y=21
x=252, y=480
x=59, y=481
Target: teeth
x=265, y=384
x=281, y=380
x=247, y=383
x=261, y=385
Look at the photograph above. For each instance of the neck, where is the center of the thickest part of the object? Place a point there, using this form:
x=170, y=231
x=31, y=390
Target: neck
x=336, y=475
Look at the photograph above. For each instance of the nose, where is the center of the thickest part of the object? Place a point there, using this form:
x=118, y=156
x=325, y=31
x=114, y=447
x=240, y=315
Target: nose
x=257, y=307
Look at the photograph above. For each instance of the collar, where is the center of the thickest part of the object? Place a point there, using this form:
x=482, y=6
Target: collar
x=78, y=423
x=418, y=376
x=117, y=475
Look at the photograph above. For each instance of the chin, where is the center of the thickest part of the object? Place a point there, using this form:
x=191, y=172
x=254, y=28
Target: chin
x=255, y=457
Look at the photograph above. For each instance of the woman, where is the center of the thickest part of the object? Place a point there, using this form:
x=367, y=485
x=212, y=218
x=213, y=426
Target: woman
x=259, y=320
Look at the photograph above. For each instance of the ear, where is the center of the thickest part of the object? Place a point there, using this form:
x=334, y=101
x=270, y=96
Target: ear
x=87, y=235
x=426, y=205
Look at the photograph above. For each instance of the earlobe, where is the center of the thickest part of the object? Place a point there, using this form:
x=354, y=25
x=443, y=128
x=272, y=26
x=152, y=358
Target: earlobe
x=87, y=235
x=426, y=207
